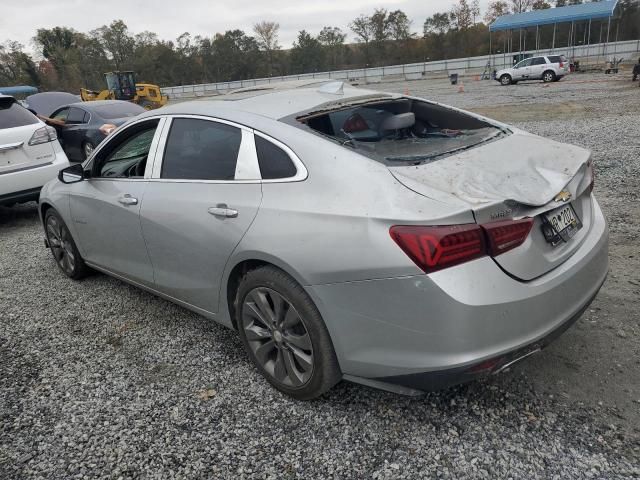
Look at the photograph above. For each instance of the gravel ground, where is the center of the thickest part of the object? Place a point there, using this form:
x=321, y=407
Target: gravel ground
x=101, y=380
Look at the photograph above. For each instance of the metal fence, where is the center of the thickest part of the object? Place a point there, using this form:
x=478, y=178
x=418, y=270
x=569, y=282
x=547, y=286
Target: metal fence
x=595, y=53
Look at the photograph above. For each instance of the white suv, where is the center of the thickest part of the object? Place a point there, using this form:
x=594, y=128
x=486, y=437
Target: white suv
x=549, y=68
x=30, y=154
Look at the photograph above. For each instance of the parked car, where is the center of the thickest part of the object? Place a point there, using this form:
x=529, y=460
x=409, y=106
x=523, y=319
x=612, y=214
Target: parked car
x=549, y=68
x=86, y=124
x=30, y=154
x=345, y=233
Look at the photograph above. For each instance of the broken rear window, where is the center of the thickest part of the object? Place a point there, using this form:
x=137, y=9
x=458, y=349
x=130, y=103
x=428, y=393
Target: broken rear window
x=402, y=131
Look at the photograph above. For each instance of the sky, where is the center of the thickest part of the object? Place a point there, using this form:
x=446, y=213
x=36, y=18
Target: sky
x=200, y=17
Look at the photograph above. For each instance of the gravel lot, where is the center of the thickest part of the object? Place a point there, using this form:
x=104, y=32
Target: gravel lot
x=101, y=380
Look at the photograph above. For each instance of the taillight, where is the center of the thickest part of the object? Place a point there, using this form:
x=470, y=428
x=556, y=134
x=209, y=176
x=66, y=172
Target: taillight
x=433, y=248
x=43, y=135
x=561, y=65
x=506, y=235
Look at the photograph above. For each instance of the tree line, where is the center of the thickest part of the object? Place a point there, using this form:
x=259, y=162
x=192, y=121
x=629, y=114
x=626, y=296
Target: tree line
x=65, y=59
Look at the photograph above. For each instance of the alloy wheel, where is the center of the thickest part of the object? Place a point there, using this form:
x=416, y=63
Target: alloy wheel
x=548, y=77
x=277, y=336
x=61, y=246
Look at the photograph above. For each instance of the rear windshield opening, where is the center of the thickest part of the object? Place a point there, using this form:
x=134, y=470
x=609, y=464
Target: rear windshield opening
x=402, y=131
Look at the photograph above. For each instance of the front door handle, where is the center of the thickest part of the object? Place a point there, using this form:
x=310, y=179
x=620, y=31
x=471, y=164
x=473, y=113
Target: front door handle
x=128, y=200
x=222, y=210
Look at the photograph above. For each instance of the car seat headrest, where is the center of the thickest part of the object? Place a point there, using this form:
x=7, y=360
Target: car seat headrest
x=398, y=122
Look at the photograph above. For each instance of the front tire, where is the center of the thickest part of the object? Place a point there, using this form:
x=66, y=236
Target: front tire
x=505, y=80
x=548, y=76
x=284, y=334
x=62, y=246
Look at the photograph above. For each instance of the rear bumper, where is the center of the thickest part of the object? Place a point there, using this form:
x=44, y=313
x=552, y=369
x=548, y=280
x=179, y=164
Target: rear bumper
x=444, y=323
x=437, y=380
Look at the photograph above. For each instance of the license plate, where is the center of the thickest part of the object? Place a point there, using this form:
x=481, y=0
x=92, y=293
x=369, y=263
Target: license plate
x=560, y=224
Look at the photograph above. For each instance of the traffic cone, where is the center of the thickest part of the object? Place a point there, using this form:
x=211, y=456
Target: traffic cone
x=406, y=90
x=461, y=88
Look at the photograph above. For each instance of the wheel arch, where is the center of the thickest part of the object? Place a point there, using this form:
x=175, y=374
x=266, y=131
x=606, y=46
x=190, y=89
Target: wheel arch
x=43, y=207
x=239, y=268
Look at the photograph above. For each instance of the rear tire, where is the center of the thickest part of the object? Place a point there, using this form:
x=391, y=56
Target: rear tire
x=284, y=334
x=548, y=76
x=63, y=248
x=505, y=80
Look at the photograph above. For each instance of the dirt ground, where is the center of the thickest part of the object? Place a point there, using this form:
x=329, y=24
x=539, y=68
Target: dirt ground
x=597, y=362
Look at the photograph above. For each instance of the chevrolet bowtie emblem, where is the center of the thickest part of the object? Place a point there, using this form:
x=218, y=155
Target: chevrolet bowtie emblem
x=563, y=196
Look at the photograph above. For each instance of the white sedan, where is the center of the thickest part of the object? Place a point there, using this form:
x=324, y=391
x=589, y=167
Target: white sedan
x=30, y=154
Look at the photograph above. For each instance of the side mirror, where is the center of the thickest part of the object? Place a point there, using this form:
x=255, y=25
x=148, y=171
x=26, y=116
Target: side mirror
x=73, y=174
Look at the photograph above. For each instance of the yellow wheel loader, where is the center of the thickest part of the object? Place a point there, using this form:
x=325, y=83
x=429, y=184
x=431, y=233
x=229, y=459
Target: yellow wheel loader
x=123, y=86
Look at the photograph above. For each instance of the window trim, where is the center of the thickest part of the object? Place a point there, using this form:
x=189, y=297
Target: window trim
x=301, y=170
x=84, y=112
x=151, y=159
x=247, y=167
x=246, y=163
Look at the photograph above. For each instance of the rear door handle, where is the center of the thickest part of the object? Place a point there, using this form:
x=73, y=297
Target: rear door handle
x=222, y=210
x=128, y=200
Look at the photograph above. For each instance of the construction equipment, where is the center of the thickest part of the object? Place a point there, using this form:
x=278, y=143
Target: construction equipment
x=123, y=86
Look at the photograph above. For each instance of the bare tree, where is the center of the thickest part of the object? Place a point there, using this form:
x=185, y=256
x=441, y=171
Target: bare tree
x=496, y=9
x=462, y=15
x=267, y=33
x=475, y=10
x=519, y=6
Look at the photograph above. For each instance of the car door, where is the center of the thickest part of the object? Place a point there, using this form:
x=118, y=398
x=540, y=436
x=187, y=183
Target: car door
x=74, y=133
x=521, y=70
x=61, y=114
x=105, y=209
x=204, y=195
x=537, y=68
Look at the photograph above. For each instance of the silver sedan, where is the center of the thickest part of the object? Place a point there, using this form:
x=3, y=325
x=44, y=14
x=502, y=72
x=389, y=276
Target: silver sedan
x=344, y=233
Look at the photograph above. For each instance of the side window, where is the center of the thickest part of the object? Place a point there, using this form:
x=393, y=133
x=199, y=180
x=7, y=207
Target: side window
x=75, y=116
x=125, y=156
x=274, y=162
x=201, y=150
x=61, y=114
x=538, y=61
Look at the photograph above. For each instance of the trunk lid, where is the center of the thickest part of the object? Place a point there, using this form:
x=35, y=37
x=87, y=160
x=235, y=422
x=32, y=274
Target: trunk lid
x=16, y=153
x=516, y=176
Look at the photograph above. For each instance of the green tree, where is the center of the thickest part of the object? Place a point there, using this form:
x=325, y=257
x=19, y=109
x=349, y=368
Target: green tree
x=307, y=54
x=332, y=39
x=117, y=43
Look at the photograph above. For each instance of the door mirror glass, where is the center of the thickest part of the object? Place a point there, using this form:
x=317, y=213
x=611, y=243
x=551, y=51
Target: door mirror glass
x=72, y=174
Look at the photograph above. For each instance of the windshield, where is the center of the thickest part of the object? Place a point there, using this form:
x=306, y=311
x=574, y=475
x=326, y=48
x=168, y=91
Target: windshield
x=118, y=110
x=403, y=131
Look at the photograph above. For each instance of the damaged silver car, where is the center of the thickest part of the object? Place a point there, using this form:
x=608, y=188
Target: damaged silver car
x=344, y=233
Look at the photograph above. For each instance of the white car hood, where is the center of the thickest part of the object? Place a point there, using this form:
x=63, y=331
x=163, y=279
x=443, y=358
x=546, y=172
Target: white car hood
x=521, y=167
